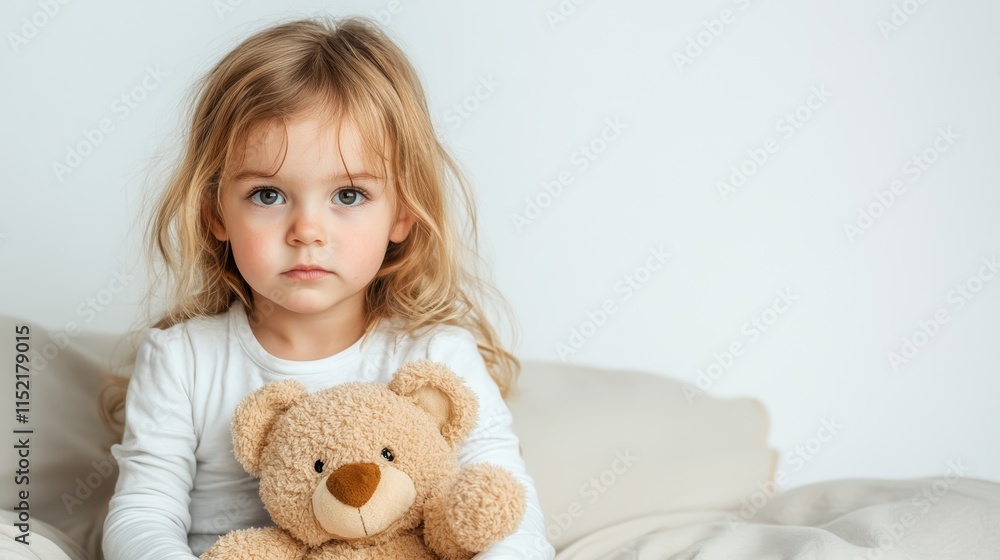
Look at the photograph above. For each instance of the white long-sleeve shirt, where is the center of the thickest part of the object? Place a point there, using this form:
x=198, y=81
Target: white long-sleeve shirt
x=179, y=485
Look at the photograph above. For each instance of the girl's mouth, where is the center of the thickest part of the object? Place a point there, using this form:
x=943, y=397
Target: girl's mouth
x=314, y=274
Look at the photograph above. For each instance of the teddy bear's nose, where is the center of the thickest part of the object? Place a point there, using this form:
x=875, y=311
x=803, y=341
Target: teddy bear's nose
x=354, y=484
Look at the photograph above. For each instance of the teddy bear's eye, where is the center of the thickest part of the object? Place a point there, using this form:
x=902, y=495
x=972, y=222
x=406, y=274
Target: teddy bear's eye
x=318, y=466
x=387, y=454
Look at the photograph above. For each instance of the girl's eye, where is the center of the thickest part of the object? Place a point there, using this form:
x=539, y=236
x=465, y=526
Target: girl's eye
x=388, y=454
x=318, y=466
x=269, y=196
x=352, y=198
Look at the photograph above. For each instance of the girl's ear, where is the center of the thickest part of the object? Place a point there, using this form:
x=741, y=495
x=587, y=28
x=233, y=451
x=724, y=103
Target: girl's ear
x=404, y=222
x=208, y=212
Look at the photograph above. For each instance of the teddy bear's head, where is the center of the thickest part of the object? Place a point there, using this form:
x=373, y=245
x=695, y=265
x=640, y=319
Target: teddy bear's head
x=354, y=462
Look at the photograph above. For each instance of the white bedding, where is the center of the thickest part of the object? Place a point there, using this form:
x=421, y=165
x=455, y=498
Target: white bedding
x=854, y=519
x=45, y=542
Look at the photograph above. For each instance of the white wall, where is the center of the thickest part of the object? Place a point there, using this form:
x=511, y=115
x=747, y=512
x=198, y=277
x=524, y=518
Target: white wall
x=654, y=185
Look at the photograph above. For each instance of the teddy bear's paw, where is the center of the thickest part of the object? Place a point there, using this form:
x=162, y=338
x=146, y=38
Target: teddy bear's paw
x=486, y=505
x=269, y=543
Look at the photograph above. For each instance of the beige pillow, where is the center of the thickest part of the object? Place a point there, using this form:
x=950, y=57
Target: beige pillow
x=72, y=473
x=608, y=446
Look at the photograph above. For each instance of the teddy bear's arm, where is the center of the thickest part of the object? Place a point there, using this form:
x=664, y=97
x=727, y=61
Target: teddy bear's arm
x=483, y=505
x=269, y=543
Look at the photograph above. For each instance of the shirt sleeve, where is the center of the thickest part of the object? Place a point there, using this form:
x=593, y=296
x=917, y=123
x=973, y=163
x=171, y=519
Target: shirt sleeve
x=494, y=441
x=148, y=516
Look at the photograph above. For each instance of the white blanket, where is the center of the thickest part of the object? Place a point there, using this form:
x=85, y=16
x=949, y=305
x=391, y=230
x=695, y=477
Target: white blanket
x=856, y=519
x=45, y=542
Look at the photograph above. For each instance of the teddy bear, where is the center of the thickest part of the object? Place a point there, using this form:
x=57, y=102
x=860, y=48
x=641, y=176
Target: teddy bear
x=369, y=471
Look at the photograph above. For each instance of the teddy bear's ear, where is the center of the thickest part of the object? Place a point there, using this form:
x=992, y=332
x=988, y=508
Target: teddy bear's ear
x=255, y=416
x=442, y=394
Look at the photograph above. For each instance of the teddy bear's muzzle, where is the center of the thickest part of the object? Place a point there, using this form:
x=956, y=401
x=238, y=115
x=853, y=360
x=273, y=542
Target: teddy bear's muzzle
x=362, y=499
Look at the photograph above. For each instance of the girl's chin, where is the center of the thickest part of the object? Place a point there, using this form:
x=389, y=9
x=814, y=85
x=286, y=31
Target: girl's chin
x=306, y=305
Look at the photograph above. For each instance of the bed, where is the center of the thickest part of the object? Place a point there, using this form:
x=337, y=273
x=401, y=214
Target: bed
x=628, y=465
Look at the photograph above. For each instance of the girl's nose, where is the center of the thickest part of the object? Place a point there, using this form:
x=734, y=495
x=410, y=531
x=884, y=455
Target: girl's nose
x=307, y=226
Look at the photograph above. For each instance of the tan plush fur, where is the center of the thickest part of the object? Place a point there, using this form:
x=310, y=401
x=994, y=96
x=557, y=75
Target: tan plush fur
x=390, y=485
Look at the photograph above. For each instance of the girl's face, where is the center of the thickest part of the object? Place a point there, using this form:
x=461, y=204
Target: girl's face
x=310, y=214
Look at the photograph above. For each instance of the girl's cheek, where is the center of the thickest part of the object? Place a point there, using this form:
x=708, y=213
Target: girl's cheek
x=362, y=248
x=257, y=240
x=254, y=248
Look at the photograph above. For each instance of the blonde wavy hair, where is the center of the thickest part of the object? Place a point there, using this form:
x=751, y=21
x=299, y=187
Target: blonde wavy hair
x=352, y=68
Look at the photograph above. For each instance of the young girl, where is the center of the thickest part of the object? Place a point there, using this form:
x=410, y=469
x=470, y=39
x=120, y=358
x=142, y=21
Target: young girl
x=308, y=234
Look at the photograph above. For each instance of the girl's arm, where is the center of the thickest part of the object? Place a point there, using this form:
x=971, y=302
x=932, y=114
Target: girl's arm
x=148, y=515
x=493, y=441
